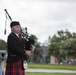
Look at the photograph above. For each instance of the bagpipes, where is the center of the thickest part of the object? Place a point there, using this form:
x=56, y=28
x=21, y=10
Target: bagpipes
x=28, y=42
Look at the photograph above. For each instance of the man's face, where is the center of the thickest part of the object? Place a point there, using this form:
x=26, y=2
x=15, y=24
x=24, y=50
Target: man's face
x=16, y=29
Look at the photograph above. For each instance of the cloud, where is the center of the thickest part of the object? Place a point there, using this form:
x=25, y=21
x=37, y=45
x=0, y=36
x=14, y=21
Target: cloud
x=43, y=18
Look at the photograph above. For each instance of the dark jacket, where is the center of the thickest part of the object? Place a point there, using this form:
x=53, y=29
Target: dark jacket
x=15, y=50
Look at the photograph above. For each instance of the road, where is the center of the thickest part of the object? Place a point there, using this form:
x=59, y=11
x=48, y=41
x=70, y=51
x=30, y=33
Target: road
x=50, y=70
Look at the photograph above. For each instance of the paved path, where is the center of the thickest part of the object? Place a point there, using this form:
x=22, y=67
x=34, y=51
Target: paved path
x=50, y=70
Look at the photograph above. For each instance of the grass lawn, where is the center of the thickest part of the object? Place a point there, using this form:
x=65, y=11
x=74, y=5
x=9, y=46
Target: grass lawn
x=49, y=66
x=29, y=73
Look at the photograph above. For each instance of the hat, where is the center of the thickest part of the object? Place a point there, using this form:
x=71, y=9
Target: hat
x=14, y=23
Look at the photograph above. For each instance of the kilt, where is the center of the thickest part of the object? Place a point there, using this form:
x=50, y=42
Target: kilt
x=15, y=68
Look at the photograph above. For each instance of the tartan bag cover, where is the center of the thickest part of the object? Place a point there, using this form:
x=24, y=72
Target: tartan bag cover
x=15, y=68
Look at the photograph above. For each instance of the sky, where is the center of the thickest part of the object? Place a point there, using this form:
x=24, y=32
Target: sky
x=43, y=18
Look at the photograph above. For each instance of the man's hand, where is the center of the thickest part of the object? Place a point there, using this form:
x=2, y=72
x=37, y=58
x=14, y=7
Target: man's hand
x=28, y=52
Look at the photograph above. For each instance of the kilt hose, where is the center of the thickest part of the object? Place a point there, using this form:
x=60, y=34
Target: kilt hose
x=15, y=68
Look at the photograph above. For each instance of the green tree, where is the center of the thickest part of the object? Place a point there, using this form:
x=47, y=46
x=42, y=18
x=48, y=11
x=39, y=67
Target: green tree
x=37, y=52
x=62, y=44
x=69, y=47
x=3, y=45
